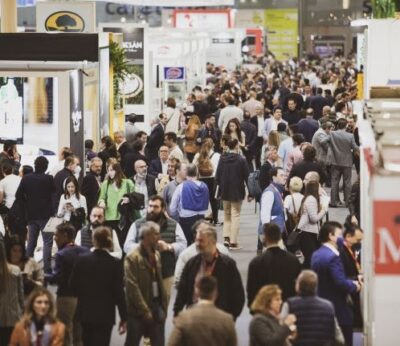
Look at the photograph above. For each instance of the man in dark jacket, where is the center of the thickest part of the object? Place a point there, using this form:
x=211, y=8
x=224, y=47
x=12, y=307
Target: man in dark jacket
x=315, y=317
x=35, y=191
x=159, y=166
x=318, y=102
x=65, y=260
x=292, y=115
x=250, y=132
x=144, y=182
x=91, y=183
x=97, y=281
x=308, y=126
x=271, y=156
x=210, y=261
x=232, y=171
x=258, y=121
x=273, y=266
x=156, y=138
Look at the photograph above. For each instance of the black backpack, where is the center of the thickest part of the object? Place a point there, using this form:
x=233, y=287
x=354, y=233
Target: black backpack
x=253, y=184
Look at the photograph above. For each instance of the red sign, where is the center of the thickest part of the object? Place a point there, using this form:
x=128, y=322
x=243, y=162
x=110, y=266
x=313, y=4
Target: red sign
x=387, y=237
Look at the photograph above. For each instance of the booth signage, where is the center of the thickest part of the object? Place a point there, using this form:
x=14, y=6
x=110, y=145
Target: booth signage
x=387, y=237
x=132, y=41
x=175, y=3
x=66, y=17
x=223, y=40
x=174, y=73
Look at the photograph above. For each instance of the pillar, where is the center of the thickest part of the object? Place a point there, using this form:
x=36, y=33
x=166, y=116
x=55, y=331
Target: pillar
x=8, y=15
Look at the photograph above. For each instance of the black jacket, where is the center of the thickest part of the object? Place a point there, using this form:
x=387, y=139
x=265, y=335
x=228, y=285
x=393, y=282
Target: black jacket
x=232, y=171
x=35, y=191
x=300, y=169
x=97, y=281
x=230, y=287
x=128, y=163
x=150, y=183
x=318, y=102
x=123, y=150
x=354, y=203
x=274, y=266
x=292, y=117
x=265, y=175
x=251, y=134
x=214, y=134
x=254, y=121
x=155, y=167
x=155, y=141
x=90, y=189
x=59, y=187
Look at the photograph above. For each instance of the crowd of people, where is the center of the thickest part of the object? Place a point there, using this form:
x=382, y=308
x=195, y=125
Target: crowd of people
x=144, y=213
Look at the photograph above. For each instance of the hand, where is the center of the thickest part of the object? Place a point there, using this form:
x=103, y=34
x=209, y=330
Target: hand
x=290, y=320
x=102, y=204
x=124, y=200
x=148, y=317
x=163, y=246
x=354, y=220
x=122, y=328
x=249, y=198
x=358, y=285
x=361, y=278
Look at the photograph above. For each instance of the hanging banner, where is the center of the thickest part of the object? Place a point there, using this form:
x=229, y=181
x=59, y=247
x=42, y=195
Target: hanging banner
x=282, y=32
x=200, y=19
x=175, y=3
x=66, y=17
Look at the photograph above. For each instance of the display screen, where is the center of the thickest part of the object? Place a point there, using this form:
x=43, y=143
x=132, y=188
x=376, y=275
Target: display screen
x=11, y=109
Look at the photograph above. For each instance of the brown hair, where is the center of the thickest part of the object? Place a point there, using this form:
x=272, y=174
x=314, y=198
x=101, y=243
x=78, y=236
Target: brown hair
x=274, y=139
x=102, y=237
x=263, y=299
x=238, y=129
x=171, y=102
x=4, y=271
x=119, y=175
x=205, y=149
x=311, y=189
x=29, y=313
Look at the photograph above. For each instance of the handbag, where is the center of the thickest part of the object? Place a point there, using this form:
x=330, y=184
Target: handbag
x=52, y=224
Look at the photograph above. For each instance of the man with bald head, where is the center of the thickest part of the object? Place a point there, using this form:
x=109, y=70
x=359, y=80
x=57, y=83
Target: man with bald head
x=144, y=182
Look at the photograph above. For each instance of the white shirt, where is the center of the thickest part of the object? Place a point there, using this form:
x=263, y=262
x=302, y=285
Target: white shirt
x=177, y=153
x=214, y=158
x=267, y=201
x=117, y=252
x=284, y=149
x=9, y=186
x=2, y=228
x=297, y=197
x=76, y=203
x=260, y=121
x=141, y=187
x=330, y=246
x=164, y=167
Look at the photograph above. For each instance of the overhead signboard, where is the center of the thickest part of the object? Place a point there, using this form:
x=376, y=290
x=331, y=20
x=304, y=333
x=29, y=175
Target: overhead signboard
x=66, y=17
x=202, y=19
x=176, y=3
x=174, y=74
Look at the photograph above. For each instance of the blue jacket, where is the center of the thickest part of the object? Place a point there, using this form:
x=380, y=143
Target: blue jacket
x=332, y=283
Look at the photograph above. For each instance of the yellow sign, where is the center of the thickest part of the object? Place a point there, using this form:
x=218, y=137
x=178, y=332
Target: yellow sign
x=282, y=32
x=65, y=21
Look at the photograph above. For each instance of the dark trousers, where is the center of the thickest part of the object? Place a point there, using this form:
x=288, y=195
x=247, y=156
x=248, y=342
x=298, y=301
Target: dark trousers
x=114, y=224
x=137, y=329
x=96, y=334
x=5, y=335
x=308, y=244
x=210, y=182
x=348, y=334
x=34, y=228
x=338, y=172
x=187, y=224
x=249, y=159
x=258, y=147
x=190, y=157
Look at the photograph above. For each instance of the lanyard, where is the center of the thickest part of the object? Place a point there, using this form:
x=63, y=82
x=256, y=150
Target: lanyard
x=353, y=257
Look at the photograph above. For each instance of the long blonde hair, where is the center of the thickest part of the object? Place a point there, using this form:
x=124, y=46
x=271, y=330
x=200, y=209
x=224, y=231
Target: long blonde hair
x=263, y=299
x=274, y=139
x=29, y=313
x=205, y=149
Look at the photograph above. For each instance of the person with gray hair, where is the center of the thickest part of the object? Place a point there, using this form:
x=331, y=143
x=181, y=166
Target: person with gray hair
x=319, y=142
x=190, y=201
x=145, y=292
x=315, y=316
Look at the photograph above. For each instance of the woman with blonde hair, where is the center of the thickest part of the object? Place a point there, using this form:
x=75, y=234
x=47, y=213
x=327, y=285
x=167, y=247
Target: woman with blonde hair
x=207, y=161
x=265, y=327
x=191, y=134
x=273, y=141
x=39, y=325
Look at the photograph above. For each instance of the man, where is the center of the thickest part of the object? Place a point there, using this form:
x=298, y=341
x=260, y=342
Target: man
x=271, y=205
x=171, y=141
x=232, y=171
x=169, y=190
x=210, y=131
x=85, y=235
x=308, y=126
x=144, y=183
x=8, y=185
x=350, y=256
x=159, y=166
x=258, y=121
x=340, y=155
x=296, y=96
x=320, y=142
x=190, y=201
x=156, y=138
x=251, y=105
x=317, y=103
x=250, y=132
x=333, y=284
x=35, y=190
x=271, y=124
x=193, y=250
x=121, y=143
x=146, y=296
x=286, y=146
x=171, y=244
x=273, y=266
x=71, y=168
x=131, y=129
x=271, y=155
x=65, y=260
x=214, y=327
x=210, y=262
x=231, y=111
x=292, y=116
x=315, y=316
x=10, y=155
x=97, y=281
x=63, y=153
x=91, y=183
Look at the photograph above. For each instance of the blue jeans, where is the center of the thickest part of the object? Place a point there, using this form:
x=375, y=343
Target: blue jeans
x=34, y=228
x=137, y=329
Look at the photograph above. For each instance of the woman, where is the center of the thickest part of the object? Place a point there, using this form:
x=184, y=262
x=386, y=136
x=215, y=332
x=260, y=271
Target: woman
x=292, y=203
x=274, y=141
x=265, y=328
x=113, y=189
x=207, y=162
x=295, y=155
x=233, y=130
x=191, y=133
x=39, y=325
x=32, y=273
x=11, y=297
x=173, y=115
x=72, y=207
x=108, y=150
x=311, y=213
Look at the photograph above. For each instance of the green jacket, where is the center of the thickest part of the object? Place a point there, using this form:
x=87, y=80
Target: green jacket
x=111, y=197
x=139, y=283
